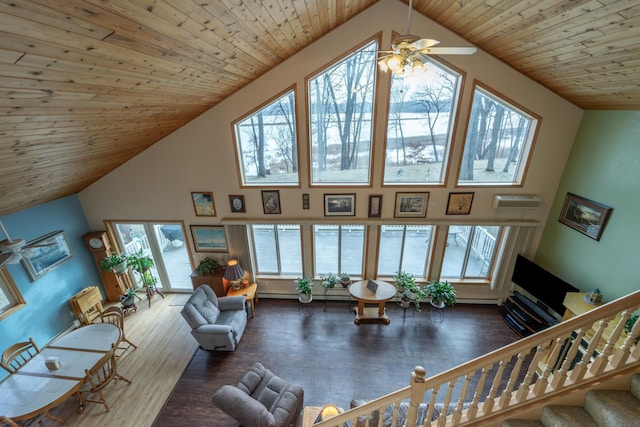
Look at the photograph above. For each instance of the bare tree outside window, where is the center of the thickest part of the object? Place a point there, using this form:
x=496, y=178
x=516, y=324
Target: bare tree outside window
x=499, y=139
x=267, y=144
x=421, y=115
x=341, y=115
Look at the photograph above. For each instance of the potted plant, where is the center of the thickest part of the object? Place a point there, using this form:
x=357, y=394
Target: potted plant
x=329, y=280
x=304, y=287
x=207, y=266
x=114, y=262
x=142, y=264
x=128, y=298
x=345, y=280
x=441, y=293
x=628, y=326
x=409, y=290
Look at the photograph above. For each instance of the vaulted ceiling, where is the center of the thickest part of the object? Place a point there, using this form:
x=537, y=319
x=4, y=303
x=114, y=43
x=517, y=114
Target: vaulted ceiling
x=88, y=84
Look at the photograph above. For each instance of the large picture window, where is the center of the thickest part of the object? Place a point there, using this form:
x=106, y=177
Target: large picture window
x=338, y=249
x=498, y=142
x=340, y=116
x=267, y=145
x=277, y=249
x=404, y=248
x=470, y=251
x=419, y=126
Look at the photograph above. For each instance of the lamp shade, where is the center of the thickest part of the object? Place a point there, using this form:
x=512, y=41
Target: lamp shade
x=233, y=271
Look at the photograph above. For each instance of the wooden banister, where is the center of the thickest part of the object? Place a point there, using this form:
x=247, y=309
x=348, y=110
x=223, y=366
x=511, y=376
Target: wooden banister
x=530, y=369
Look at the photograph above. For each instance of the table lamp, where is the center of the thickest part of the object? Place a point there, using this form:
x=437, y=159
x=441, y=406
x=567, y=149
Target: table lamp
x=234, y=273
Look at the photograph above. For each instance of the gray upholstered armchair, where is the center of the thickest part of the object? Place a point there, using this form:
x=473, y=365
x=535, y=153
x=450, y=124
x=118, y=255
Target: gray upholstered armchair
x=261, y=399
x=216, y=323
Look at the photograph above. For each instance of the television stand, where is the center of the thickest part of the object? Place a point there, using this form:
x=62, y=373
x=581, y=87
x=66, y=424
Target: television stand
x=524, y=316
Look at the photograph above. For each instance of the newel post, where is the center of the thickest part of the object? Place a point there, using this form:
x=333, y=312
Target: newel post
x=417, y=395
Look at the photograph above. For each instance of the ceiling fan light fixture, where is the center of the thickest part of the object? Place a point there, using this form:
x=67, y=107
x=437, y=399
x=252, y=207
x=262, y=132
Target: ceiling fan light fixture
x=395, y=63
x=417, y=68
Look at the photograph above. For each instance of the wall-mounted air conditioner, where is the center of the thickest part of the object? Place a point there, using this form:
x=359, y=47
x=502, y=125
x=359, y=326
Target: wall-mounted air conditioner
x=515, y=201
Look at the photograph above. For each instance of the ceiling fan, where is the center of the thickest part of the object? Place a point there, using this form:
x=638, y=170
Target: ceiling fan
x=11, y=250
x=408, y=50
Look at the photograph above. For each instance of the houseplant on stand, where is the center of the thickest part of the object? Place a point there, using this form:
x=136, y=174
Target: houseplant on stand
x=409, y=290
x=345, y=280
x=141, y=264
x=441, y=294
x=304, y=287
x=329, y=280
x=116, y=263
x=128, y=299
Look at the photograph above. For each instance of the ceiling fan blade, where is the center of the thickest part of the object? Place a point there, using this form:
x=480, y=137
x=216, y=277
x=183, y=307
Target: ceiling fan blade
x=41, y=245
x=9, y=258
x=449, y=51
x=424, y=43
x=4, y=259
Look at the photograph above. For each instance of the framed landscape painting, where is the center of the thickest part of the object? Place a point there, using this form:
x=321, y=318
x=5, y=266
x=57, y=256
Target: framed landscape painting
x=203, y=203
x=584, y=215
x=45, y=253
x=459, y=203
x=339, y=204
x=411, y=205
x=209, y=238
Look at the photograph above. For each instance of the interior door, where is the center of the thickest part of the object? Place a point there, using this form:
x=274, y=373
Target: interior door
x=165, y=244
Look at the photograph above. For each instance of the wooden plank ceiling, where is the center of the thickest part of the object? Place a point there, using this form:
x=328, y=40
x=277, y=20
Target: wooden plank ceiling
x=88, y=84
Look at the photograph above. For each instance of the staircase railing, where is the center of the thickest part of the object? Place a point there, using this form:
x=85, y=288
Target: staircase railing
x=574, y=352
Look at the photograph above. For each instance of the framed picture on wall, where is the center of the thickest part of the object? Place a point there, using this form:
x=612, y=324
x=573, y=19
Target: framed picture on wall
x=271, y=201
x=203, y=203
x=459, y=203
x=209, y=238
x=45, y=253
x=375, y=206
x=339, y=204
x=584, y=215
x=237, y=203
x=411, y=205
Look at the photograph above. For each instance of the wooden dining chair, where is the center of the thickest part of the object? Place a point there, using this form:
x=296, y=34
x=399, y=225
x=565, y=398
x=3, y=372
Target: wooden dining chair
x=115, y=316
x=97, y=379
x=4, y=421
x=18, y=354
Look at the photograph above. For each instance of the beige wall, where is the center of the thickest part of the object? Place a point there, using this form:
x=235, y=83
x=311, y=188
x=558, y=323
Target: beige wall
x=156, y=184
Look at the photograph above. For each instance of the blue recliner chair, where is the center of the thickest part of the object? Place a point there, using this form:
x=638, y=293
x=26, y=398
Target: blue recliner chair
x=216, y=323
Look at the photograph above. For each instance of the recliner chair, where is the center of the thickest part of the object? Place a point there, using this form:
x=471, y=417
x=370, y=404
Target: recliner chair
x=216, y=323
x=261, y=399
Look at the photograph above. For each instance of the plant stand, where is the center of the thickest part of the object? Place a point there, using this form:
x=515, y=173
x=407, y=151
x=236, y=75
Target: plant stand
x=305, y=308
x=151, y=292
x=435, y=314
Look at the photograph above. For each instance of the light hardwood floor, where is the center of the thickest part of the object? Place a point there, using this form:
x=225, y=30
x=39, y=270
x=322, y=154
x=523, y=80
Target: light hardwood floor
x=165, y=347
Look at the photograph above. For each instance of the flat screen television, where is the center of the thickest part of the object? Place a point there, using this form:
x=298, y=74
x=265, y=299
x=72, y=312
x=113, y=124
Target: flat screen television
x=549, y=289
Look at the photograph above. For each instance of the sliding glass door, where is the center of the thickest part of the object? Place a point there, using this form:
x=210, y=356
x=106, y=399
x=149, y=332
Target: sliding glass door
x=165, y=243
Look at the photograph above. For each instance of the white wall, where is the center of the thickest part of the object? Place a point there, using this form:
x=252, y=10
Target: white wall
x=200, y=156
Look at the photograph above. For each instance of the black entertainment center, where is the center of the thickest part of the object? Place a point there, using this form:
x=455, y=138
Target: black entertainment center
x=522, y=314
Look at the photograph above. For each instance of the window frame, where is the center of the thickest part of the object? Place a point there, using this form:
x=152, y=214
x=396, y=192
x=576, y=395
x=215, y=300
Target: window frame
x=426, y=273
x=237, y=142
x=374, y=96
x=365, y=229
x=254, y=251
x=452, y=126
x=13, y=294
x=526, y=151
x=468, y=249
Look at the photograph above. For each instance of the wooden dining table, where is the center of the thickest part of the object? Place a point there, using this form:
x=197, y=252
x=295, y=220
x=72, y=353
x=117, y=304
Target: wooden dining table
x=34, y=388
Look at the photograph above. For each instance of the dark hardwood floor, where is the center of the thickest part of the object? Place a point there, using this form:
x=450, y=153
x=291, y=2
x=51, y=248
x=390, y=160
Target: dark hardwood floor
x=332, y=358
